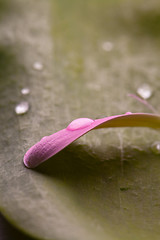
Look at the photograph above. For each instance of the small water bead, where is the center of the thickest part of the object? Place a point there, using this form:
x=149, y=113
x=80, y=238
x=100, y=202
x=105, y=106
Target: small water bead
x=25, y=91
x=127, y=113
x=156, y=147
x=38, y=66
x=22, y=108
x=44, y=138
x=107, y=46
x=144, y=91
x=80, y=123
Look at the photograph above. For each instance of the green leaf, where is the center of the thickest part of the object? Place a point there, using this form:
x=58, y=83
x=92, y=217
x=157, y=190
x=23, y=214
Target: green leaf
x=106, y=184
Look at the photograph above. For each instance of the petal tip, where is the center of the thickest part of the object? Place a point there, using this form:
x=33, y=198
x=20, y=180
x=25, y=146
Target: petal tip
x=25, y=161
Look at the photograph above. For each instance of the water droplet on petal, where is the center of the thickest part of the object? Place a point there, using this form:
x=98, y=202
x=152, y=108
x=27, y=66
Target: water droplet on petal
x=22, y=108
x=80, y=123
x=25, y=91
x=45, y=137
x=144, y=91
x=107, y=46
x=38, y=66
x=156, y=147
x=127, y=113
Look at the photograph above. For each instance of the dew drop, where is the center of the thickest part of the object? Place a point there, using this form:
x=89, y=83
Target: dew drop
x=144, y=91
x=127, y=113
x=156, y=147
x=79, y=123
x=25, y=91
x=22, y=108
x=38, y=66
x=43, y=138
x=107, y=46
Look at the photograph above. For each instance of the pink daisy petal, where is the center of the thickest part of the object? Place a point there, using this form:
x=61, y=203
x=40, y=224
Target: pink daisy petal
x=50, y=145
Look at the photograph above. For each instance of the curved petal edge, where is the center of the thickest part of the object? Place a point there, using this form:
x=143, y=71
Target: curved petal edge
x=48, y=146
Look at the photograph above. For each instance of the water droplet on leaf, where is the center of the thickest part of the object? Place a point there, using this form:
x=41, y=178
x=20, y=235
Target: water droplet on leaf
x=144, y=91
x=156, y=147
x=79, y=123
x=25, y=91
x=38, y=66
x=22, y=108
x=107, y=46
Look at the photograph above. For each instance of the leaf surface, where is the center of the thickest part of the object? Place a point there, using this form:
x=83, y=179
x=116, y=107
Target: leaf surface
x=106, y=184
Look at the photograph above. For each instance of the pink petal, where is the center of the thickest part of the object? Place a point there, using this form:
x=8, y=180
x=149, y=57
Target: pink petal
x=50, y=145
